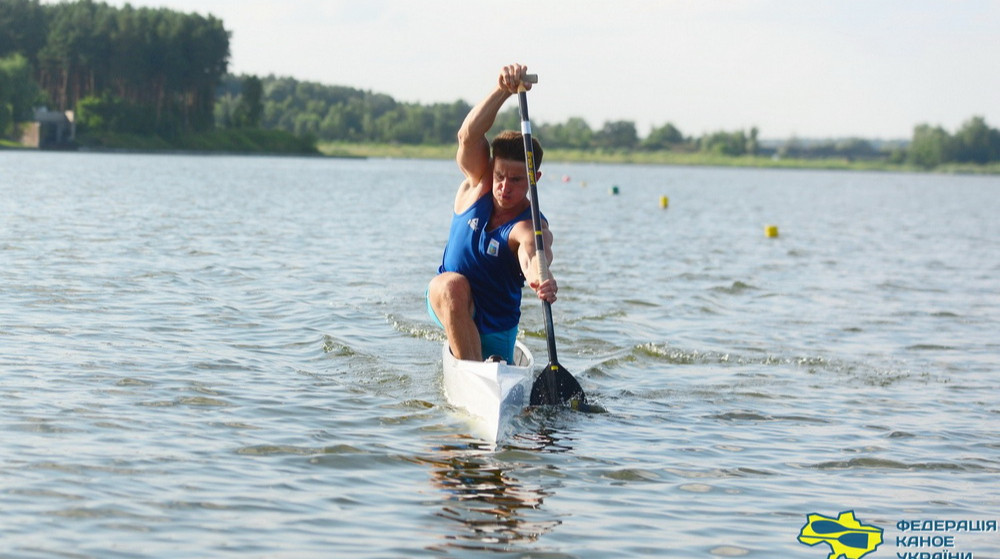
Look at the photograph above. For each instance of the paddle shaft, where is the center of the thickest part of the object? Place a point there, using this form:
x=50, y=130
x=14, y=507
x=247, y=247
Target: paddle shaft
x=857, y=540
x=536, y=217
x=555, y=386
x=831, y=527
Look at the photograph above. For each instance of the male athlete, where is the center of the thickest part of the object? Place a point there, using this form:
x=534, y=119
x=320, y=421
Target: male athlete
x=476, y=296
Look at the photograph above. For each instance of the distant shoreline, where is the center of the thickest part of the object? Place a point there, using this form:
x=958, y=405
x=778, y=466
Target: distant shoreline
x=693, y=159
x=343, y=150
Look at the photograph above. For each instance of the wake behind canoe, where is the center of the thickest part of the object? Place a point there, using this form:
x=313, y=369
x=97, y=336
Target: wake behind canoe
x=493, y=393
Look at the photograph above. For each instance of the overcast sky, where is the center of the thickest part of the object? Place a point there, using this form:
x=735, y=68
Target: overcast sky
x=804, y=68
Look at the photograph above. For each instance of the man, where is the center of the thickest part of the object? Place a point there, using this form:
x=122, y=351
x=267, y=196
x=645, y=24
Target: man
x=476, y=296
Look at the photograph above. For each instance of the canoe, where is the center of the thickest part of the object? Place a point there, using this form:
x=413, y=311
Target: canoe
x=491, y=393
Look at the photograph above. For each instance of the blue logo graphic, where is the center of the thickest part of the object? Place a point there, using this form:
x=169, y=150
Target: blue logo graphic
x=846, y=536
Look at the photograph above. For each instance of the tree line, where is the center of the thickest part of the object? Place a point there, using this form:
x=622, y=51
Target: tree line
x=158, y=72
x=974, y=142
x=343, y=114
x=138, y=70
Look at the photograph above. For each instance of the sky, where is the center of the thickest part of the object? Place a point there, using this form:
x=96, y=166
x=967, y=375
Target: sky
x=792, y=68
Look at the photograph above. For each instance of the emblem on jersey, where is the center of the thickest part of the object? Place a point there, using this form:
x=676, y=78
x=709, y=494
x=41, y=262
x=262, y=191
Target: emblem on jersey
x=474, y=223
x=494, y=247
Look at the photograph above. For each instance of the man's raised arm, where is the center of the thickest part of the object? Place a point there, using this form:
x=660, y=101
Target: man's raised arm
x=473, y=155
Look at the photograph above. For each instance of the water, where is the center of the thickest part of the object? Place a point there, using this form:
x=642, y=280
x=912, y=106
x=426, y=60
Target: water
x=228, y=356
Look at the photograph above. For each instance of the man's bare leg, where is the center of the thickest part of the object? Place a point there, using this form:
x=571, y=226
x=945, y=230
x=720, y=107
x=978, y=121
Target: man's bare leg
x=451, y=298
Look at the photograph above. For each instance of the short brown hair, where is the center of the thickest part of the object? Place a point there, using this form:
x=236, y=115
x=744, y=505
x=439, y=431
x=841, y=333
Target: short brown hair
x=509, y=145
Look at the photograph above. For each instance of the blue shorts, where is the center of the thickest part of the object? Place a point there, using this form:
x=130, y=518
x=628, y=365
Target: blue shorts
x=494, y=343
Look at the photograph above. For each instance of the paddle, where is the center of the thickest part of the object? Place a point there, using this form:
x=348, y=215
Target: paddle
x=856, y=540
x=855, y=537
x=555, y=385
x=831, y=527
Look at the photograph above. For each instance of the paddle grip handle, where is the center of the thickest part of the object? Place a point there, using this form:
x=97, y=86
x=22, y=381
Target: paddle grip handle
x=528, y=78
x=543, y=266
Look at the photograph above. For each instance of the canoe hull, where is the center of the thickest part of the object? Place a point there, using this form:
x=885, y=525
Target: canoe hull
x=492, y=393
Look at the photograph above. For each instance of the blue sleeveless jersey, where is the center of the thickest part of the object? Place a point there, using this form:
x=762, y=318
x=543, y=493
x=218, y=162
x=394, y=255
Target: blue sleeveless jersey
x=485, y=259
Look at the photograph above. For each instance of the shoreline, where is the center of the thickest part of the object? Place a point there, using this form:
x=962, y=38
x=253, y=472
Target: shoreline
x=685, y=159
x=343, y=150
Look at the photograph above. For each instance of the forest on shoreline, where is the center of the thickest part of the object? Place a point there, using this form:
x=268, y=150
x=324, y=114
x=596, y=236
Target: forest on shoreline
x=157, y=79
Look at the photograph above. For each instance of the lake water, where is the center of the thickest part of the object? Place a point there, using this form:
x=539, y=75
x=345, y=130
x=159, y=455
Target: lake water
x=230, y=356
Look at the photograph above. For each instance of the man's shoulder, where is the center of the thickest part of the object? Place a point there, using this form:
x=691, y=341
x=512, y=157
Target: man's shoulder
x=522, y=230
x=468, y=194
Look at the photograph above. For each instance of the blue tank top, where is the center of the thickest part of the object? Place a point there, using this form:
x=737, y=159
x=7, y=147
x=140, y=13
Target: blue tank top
x=485, y=259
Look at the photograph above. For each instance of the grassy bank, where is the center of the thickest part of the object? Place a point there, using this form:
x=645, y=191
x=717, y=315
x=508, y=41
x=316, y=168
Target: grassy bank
x=399, y=151
x=248, y=140
x=9, y=144
x=257, y=141
x=392, y=151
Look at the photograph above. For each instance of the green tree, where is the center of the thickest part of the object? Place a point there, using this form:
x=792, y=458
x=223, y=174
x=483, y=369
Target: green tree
x=663, y=138
x=930, y=147
x=445, y=120
x=856, y=148
x=22, y=28
x=725, y=143
x=403, y=124
x=619, y=134
x=975, y=142
x=575, y=133
x=156, y=61
x=18, y=92
x=752, y=143
x=250, y=106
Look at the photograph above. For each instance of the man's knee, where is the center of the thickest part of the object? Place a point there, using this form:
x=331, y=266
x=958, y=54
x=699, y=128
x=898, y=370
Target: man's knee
x=450, y=291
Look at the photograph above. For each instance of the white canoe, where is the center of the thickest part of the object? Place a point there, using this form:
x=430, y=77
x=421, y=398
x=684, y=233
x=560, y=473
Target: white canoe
x=493, y=393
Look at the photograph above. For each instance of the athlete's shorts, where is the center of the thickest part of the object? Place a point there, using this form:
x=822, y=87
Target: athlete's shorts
x=493, y=343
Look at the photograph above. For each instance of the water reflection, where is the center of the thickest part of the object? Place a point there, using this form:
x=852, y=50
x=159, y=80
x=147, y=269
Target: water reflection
x=491, y=509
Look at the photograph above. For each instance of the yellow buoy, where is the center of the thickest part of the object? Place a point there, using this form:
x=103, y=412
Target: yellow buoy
x=771, y=231
x=664, y=202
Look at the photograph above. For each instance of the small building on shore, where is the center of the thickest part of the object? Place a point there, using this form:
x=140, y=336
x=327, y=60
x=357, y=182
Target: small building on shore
x=50, y=130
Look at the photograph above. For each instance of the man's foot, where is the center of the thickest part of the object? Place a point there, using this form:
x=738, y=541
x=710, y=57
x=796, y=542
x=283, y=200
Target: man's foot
x=495, y=359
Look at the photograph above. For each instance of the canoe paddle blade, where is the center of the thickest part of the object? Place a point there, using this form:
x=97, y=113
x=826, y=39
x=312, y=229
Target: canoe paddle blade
x=555, y=386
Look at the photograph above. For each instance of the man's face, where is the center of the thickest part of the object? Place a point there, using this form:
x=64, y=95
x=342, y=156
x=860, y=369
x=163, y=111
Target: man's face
x=510, y=182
